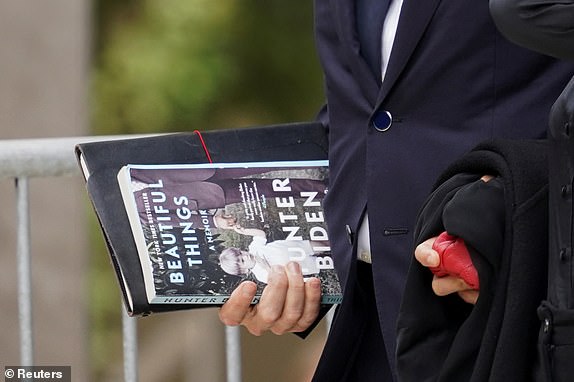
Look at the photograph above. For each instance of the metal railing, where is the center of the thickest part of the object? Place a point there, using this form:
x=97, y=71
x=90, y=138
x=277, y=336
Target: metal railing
x=21, y=159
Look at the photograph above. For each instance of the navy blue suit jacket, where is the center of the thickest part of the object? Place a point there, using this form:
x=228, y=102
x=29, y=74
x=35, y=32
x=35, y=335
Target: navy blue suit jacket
x=452, y=81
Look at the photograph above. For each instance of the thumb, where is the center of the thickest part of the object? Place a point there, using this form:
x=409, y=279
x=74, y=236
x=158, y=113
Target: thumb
x=427, y=256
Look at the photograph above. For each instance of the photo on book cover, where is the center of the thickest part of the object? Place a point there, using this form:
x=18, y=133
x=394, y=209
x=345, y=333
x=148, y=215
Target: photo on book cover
x=201, y=229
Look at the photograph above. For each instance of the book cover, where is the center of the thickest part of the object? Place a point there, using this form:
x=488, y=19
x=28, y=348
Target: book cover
x=101, y=160
x=201, y=229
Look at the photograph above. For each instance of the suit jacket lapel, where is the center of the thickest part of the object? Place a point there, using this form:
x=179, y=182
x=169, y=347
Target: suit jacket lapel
x=415, y=16
x=347, y=29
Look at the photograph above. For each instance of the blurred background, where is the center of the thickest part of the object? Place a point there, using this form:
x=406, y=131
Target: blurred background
x=76, y=68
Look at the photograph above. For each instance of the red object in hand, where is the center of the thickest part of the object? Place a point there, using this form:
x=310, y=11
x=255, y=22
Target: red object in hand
x=454, y=260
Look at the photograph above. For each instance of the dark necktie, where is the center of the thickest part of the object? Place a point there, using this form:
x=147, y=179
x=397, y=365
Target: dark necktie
x=370, y=15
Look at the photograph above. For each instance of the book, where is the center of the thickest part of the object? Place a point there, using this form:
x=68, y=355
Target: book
x=101, y=161
x=202, y=229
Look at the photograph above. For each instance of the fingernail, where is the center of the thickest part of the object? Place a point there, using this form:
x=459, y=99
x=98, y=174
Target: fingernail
x=314, y=282
x=294, y=268
x=433, y=259
x=278, y=269
x=248, y=289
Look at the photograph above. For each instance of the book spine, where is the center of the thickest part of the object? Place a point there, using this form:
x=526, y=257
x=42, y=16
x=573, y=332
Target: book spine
x=220, y=300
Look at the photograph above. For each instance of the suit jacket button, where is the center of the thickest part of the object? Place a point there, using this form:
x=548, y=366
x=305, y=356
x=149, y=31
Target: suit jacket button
x=382, y=120
x=350, y=235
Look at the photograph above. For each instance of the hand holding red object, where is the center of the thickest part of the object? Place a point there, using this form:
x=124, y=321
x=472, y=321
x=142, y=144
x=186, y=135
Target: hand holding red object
x=454, y=260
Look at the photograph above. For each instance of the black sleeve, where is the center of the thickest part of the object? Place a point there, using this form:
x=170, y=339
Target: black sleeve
x=476, y=213
x=546, y=26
